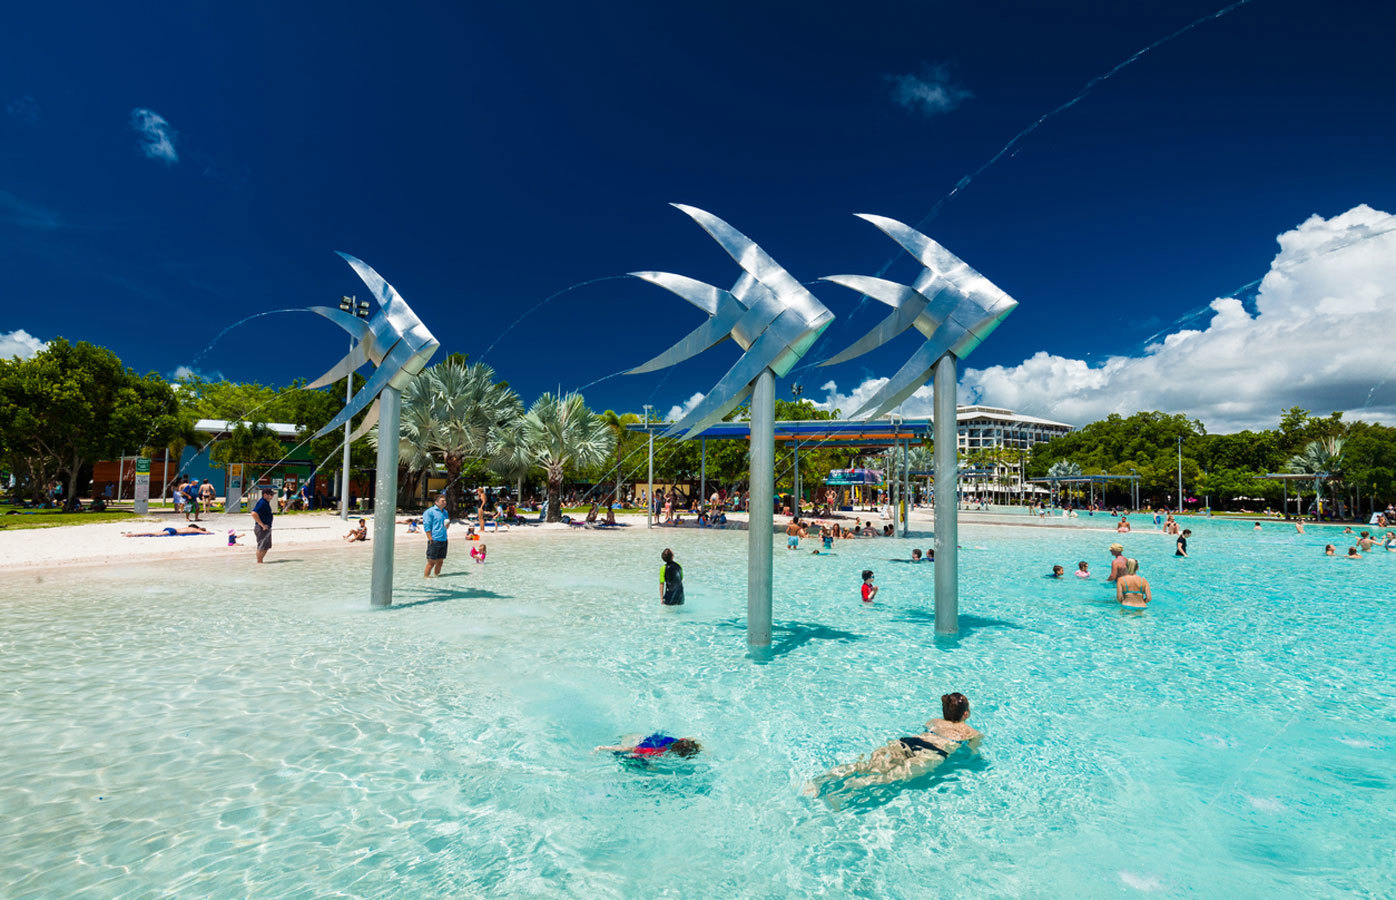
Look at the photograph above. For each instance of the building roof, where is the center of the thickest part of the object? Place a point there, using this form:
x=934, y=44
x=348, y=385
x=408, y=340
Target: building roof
x=853, y=432
x=220, y=427
x=1003, y=415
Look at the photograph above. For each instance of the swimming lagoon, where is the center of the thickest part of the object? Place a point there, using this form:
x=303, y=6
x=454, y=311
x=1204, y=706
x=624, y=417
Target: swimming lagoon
x=219, y=730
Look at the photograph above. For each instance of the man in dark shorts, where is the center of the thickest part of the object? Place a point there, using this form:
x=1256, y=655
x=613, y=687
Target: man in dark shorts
x=434, y=522
x=261, y=522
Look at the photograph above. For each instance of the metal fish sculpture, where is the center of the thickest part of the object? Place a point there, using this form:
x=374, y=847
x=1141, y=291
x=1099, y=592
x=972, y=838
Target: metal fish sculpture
x=394, y=339
x=767, y=312
x=951, y=304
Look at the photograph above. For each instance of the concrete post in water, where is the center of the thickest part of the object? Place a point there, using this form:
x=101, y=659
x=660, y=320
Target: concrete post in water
x=385, y=495
x=649, y=497
x=761, y=511
x=947, y=528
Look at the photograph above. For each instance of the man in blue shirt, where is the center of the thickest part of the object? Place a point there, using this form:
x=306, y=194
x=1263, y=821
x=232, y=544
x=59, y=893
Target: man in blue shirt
x=261, y=522
x=191, y=500
x=434, y=522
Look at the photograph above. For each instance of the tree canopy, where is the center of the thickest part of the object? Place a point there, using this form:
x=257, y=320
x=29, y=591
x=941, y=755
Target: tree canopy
x=72, y=404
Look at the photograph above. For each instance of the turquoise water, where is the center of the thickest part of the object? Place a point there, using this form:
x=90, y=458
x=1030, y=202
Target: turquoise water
x=211, y=729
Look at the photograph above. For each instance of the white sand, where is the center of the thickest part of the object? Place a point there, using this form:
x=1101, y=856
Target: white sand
x=79, y=545
x=97, y=544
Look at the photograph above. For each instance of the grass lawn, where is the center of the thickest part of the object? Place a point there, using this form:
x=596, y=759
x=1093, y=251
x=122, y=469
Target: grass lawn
x=52, y=518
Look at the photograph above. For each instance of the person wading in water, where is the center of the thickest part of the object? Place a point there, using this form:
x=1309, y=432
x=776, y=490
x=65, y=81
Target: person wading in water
x=671, y=581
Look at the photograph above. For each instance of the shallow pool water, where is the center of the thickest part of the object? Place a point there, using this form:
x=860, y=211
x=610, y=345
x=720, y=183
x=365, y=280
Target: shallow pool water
x=215, y=729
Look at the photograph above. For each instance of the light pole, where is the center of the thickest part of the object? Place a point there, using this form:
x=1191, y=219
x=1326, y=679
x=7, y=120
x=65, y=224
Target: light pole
x=649, y=495
x=1180, y=473
x=796, y=390
x=358, y=308
x=894, y=481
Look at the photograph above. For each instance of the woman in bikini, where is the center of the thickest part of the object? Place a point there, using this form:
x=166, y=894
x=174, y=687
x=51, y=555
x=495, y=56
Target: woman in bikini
x=906, y=757
x=1131, y=588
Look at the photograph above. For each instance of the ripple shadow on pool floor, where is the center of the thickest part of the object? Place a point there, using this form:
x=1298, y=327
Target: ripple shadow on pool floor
x=793, y=635
x=441, y=595
x=968, y=623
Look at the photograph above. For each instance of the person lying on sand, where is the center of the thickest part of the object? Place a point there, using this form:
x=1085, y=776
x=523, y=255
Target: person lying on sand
x=169, y=531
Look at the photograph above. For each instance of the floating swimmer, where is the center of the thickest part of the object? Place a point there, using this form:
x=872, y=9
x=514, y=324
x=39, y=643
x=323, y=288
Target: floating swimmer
x=906, y=757
x=655, y=746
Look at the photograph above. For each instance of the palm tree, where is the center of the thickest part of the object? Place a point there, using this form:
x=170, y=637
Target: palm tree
x=183, y=435
x=562, y=433
x=449, y=414
x=617, y=423
x=1063, y=470
x=416, y=427
x=1323, y=459
x=511, y=457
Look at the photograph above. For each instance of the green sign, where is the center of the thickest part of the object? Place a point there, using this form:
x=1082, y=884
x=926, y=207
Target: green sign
x=142, y=465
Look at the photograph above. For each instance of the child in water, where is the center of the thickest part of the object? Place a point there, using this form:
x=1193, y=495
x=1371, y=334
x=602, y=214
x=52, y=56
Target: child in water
x=478, y=553
x=1057, y=572
x=653, y=747
x=869, y=589
x=1083, y=569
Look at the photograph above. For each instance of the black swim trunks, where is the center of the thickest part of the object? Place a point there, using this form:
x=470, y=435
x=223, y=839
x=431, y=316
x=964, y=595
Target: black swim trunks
x=917, y=745
x=436, y=549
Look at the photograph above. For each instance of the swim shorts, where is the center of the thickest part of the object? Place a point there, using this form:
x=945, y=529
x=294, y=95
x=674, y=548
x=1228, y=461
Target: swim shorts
x=436, y=549
x=792, y=541
x=263, y=537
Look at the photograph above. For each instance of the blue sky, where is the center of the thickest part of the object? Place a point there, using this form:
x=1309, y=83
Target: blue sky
x=164, y=173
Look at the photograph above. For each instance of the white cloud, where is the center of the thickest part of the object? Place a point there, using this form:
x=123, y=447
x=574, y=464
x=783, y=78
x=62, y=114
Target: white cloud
x=157, y=137
x=19, y=343
x=182, y=372
x=678, y=412
x=931, y=92
x=1320, y=338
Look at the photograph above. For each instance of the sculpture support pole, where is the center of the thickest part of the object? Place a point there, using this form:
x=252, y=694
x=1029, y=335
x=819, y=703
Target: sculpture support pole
x=703, y=472
x=760, y=510
x=947, y=569
x=385, y=495
x=649, y=497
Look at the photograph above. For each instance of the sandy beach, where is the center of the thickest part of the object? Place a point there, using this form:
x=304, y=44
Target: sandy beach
x=104, y=543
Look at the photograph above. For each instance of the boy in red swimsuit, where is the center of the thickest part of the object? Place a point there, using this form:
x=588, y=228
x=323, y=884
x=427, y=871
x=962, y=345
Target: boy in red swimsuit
x=869, y=589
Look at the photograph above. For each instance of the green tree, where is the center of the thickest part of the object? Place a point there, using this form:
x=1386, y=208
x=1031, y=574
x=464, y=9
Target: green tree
x=454, y=411
x=1322, y=459
x=72, y=404
x=562, y=434
x=626, y=441
x=246, y=444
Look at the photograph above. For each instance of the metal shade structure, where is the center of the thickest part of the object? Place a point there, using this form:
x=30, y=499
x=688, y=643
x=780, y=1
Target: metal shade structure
x=775, y=320
x=955, y=308
x=398, y=345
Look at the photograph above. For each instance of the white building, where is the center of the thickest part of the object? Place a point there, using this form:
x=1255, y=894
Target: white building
x=988, y=427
